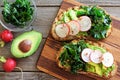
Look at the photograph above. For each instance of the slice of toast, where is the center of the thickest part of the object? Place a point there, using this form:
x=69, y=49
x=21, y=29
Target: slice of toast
x=71, y=37
x=91, y=74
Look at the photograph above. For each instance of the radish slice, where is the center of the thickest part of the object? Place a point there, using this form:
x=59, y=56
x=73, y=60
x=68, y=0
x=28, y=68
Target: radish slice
x=96, y=56
x=86, y=54
x=74, y=27
x=85, y=23
x=62, y=30
x=107, y=59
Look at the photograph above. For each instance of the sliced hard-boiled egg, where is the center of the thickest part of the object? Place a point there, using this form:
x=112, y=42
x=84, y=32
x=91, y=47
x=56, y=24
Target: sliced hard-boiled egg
x=108, y=59
x=74, y=27
x=96, y=56
x=85, y=23
x=62, y=30
x=86, y=54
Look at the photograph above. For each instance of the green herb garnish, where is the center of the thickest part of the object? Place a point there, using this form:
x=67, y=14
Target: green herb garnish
x=17, y=13
x=71, y=56
x=100, y=20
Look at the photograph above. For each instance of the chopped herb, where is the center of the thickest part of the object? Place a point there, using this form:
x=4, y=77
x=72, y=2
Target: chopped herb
x=100, y=21
x=17, y=13
x=71, y=56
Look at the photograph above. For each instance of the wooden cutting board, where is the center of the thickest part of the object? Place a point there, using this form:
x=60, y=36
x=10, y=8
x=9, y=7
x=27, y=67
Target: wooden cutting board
x=47, y=63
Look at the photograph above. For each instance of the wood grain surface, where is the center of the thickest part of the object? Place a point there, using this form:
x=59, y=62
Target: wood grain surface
x=89, y=2
x=47, y=62
x=46, y=12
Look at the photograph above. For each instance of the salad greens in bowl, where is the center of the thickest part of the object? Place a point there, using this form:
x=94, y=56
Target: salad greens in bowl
x=17, y=15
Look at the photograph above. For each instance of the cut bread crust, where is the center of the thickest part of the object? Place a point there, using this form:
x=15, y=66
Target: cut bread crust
x=90, y=74
x=71, y=37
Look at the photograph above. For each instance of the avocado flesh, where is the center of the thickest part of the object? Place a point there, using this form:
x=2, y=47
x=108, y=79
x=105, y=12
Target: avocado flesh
x=72, y=15
x=99, y=69
x=34, y=36
x=90, y=68
x=66, y=18
x=96, y=48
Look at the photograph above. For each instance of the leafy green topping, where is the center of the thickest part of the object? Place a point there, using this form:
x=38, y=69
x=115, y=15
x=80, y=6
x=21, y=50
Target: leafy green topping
x=81, y=12
x=71, y=56
x=17, y=13
x=100, y=20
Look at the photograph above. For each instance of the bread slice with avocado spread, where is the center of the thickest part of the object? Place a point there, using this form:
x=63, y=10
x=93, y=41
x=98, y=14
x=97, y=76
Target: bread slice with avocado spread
x=79, y=22
x=87, y=57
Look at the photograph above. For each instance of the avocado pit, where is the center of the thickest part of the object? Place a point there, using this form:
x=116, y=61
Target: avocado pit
x=25, y=45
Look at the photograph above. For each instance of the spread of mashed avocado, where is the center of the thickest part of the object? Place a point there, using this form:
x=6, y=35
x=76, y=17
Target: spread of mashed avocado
x=70, y=58
x=100, y=20
x=99, y=69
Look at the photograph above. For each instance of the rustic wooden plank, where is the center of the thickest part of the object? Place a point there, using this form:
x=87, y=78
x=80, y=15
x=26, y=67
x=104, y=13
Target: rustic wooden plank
x=88, y=2
x=27, y=76
x=45, y=17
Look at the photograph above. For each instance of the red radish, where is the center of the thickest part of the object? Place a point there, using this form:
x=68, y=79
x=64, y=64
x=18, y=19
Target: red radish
x=96, y=56
x=9, y=65
x=86, y=54
x=85, y=23
x=74, y=27
x=6, y=36
x=62, y=30
x=108, y=59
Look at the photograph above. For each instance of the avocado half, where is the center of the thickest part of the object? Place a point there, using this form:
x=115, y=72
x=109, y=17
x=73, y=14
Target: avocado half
x=33, y=36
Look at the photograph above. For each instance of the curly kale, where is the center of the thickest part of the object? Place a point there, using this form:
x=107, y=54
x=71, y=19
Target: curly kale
x=17, y=13
x=100, y=20
x=71, y=56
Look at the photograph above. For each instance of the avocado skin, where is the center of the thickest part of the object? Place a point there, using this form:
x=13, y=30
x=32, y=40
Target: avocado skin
x=34, y=36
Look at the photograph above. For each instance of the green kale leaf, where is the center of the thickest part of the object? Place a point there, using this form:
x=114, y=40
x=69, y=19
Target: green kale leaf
x=71, y=56
x=18, y=12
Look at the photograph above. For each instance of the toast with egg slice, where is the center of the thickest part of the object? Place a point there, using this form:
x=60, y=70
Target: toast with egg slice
x=88, y=58
x=81, y=22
